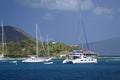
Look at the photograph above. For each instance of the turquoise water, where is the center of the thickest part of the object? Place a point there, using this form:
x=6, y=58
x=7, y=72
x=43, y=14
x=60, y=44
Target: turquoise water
x=105, y=69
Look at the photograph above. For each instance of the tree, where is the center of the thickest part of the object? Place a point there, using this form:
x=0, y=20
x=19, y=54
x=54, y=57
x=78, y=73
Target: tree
x=27, y=47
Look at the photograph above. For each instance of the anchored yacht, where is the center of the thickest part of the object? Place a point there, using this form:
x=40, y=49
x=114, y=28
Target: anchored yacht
x=35, y=58
x=79, y=56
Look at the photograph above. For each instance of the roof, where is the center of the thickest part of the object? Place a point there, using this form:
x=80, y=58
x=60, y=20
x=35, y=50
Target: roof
x=83, y=52
x=88, y=52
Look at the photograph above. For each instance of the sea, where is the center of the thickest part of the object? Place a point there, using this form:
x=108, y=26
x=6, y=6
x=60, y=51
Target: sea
x=105, y=69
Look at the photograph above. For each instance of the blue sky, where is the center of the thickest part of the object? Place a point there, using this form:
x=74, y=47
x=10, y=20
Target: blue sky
x=60, y=19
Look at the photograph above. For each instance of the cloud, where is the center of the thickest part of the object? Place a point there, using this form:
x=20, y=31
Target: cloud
x=86, y=4
x=102, y=11
x=67, y=5
x=58, y=4
x=63, y=5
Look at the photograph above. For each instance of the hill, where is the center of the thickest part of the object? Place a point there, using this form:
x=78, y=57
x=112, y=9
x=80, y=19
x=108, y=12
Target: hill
x=14, y=34
x=110, y=47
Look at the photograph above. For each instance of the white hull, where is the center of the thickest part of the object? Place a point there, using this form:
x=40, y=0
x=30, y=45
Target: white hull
x=84, y=61
x=30, y=60
x=1, y=57
x=48, y=59
x=77, y=61
x=67, y=61
x=48, y=62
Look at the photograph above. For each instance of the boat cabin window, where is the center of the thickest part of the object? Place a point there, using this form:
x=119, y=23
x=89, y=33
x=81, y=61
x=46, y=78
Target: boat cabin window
x=76, y=57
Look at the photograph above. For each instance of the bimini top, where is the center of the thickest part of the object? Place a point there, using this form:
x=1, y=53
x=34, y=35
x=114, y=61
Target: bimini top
x=77, y=52
x=89, y=52
x=83, y=52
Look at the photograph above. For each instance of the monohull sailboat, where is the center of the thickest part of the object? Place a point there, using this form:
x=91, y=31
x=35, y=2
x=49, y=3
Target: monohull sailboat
x=35, y=58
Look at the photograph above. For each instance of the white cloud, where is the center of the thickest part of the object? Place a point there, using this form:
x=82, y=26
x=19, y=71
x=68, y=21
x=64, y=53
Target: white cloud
x=64, y=5
x=86, y=4
x=68, y=5
x=58, y=4
x=103, y=11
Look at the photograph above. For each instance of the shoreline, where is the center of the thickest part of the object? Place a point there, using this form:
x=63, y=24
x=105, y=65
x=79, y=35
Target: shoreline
x=110, y=57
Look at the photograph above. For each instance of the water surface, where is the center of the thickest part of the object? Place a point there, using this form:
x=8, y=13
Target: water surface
x=105, y=69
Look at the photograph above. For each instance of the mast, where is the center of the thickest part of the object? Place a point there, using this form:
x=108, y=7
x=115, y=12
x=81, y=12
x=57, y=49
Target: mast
x=2, y=38
x=37, y=40
x=48, y=47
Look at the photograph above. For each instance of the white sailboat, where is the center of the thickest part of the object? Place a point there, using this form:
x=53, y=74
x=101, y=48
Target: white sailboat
x=35, y=58
x=81, y=56
x=78, y=56
x=2, y=54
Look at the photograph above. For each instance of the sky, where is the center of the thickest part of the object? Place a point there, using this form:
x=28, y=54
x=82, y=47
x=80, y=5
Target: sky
x=61, y=20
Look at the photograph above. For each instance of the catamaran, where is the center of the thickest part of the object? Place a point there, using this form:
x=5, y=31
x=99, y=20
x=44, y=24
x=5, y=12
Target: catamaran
x=35, y=58
x=81, y=56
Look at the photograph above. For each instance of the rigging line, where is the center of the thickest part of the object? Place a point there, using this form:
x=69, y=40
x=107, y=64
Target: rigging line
x=48, y=46
x=5, y=42
x=40, y=38
x=36, y=40
x=83, y=31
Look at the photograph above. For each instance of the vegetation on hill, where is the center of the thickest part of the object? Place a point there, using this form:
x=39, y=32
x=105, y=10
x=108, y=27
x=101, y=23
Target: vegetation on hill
x=27, y=47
